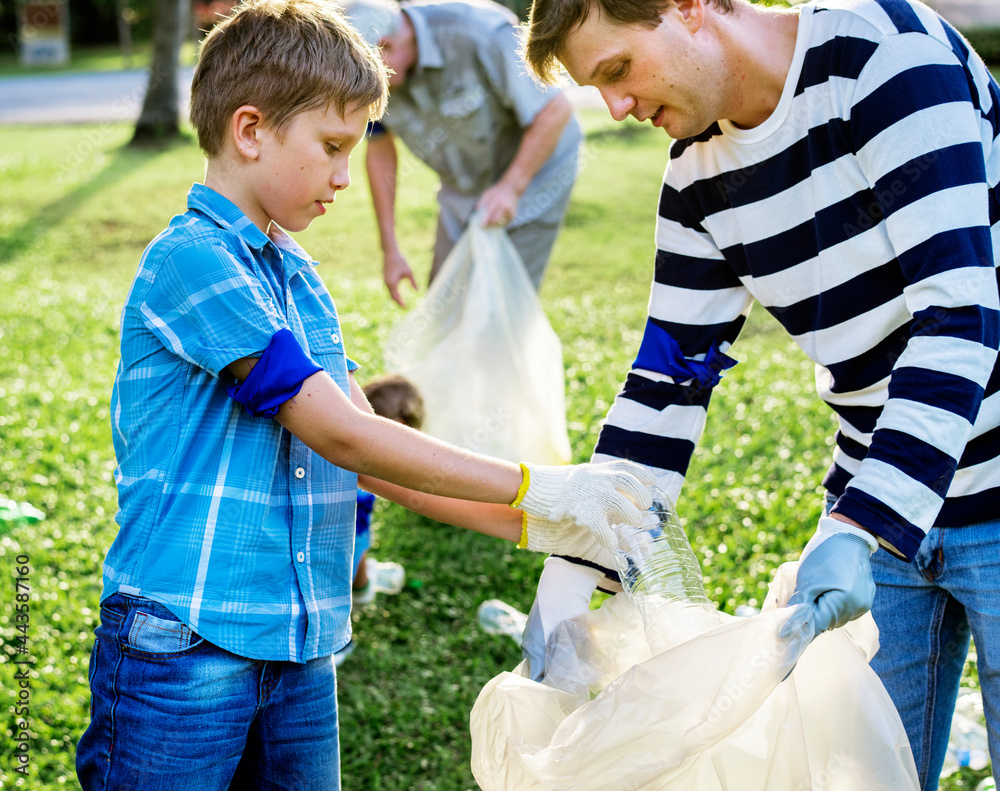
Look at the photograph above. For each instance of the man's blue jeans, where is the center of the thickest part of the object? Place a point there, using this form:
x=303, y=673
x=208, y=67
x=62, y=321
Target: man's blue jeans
x=926, y=612
x=169, y=710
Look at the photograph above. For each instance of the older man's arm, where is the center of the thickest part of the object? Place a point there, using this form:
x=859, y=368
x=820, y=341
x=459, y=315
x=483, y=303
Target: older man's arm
x=499, y=203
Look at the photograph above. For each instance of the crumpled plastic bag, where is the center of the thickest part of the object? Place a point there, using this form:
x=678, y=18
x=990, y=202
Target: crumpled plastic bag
x=715, y=712
x=484, y=356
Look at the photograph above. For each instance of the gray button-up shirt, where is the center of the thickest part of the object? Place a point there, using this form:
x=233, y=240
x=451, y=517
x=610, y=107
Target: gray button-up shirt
x=465, y=105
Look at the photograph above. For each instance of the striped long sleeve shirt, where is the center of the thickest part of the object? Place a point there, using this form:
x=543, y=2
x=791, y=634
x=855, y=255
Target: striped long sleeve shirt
x=864, y=215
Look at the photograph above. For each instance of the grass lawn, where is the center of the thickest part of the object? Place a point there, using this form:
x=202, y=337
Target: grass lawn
x=67, y=255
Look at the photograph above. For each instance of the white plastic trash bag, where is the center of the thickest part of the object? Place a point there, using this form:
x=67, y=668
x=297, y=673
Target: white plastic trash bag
x=484, y=356
x=712, y=713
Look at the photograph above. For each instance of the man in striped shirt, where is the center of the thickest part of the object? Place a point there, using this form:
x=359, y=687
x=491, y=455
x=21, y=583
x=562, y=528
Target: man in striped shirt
x=838, y=163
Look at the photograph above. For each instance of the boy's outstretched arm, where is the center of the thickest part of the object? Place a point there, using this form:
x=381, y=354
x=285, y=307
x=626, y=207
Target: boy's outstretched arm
x=556, y=500
x=356, y=439
x=492, y=519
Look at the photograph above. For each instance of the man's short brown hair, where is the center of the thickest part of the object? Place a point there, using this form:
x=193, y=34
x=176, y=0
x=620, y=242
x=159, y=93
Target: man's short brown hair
x=551, y=21
x=397, y=398
x=283, y=57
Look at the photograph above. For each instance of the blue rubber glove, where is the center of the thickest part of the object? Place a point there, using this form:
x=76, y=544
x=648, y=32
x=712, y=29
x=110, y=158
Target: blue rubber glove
x=835, y=574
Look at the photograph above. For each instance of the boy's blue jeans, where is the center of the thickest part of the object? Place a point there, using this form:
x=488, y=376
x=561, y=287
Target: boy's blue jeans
x=926, y=612
x=170, y=710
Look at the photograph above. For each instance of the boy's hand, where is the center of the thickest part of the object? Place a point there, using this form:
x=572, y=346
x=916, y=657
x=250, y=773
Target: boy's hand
x=565, y=537
x=590, y=495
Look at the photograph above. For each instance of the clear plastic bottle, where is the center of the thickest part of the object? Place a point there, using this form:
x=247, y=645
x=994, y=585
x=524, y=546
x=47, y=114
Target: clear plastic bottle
x=498, y=617
x=662, y=576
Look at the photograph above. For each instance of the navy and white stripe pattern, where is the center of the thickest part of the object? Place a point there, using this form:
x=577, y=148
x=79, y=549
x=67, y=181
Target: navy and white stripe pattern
x=863, y=215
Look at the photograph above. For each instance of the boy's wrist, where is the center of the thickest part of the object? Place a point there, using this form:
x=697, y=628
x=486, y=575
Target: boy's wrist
x=523, y=488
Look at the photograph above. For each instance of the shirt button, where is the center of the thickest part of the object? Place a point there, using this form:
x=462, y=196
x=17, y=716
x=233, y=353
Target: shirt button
x=301, y=557
x=300, y=473
x=335, y=338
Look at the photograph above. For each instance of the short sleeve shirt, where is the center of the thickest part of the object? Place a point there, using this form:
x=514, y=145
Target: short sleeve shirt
x=467, y=100
x=231, y=522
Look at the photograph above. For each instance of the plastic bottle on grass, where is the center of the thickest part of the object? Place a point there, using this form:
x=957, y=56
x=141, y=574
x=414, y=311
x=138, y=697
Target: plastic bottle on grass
x=498, y=617
x=662, y=576
x=11, y=511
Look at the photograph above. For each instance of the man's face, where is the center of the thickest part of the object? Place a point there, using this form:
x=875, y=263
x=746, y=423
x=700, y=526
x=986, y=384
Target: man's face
x=660, y=74
x=396, y=56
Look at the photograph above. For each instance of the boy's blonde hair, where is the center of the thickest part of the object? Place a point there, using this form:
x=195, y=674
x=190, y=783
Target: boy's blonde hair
x=397, y=398
x=283, y=57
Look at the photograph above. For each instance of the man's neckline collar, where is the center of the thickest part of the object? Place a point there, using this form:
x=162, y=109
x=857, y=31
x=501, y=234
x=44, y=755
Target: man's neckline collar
x=429, y=55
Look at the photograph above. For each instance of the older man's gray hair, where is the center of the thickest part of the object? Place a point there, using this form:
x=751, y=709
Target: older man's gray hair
x=374, y=19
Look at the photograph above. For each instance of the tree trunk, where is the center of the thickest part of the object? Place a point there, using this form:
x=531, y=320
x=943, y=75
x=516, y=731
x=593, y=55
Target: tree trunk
x=125, y=31
x=159, y=119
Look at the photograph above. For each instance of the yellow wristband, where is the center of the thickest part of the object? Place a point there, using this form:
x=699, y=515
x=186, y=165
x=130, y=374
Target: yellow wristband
x=523, y=490
x=523, y=543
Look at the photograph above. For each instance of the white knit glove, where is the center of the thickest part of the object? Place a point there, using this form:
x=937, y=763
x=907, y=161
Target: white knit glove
x=565, y=537
x=593, y=496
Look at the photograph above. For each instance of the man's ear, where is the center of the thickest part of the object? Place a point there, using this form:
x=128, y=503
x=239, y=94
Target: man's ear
x=692, y=12
x=246, y=126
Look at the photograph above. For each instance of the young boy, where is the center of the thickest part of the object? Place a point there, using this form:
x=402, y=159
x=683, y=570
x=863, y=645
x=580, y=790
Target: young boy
x=242, y=437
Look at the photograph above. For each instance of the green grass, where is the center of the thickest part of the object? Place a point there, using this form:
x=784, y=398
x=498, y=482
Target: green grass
x=67, y=255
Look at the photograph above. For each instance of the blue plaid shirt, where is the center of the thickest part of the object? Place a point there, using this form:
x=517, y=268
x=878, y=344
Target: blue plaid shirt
x=236, y=526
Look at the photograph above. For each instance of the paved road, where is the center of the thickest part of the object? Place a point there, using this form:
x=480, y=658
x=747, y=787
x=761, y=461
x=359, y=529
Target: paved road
x=98, y=97
x=93, y=97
